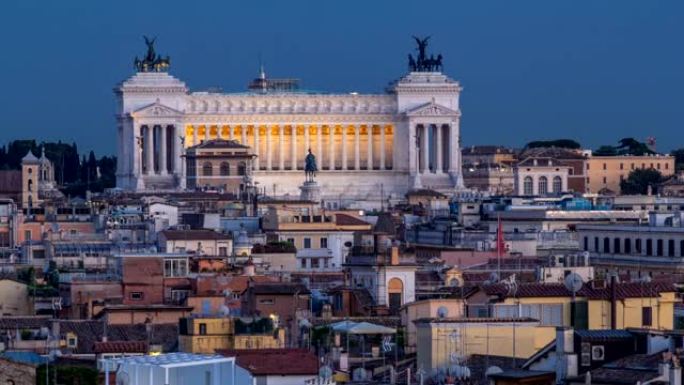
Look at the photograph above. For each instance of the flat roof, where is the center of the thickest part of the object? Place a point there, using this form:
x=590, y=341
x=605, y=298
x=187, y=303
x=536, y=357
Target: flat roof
x=174, y=360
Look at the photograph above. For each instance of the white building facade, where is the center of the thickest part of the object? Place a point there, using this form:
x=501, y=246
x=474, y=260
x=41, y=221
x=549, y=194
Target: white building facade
x=406, y=138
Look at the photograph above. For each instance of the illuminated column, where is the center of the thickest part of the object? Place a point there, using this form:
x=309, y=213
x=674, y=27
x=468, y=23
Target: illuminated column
x=307, y=138
x=243, y=134
x=424, y=148
x=370, y=147
x=454, y=150
x=149, y=149
x=439, y=147
x=138, y=140
x=230, y=132
x=281, y=147
x=269, y=150
x=207, y=132
x=344, y=147
x=162, y=150
x=413, y=131
x=319, y=138
x=255, y=131
x=382, y=146
x=177, y=147
x=194, y=134
x=293, y=145
x=357, y=146
x=331, y=147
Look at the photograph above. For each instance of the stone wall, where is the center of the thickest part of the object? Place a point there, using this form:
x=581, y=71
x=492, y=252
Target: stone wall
x=17, y=373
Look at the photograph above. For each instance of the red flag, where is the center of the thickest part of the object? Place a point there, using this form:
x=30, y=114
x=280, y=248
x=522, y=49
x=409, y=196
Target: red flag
x=500, y=242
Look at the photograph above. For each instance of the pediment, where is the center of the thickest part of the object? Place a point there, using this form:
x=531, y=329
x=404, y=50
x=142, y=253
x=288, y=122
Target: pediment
x=432, y=109
x=156, y=109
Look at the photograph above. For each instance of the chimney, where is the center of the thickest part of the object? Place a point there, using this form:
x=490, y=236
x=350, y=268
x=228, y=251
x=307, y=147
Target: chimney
x=565, y=351
x=394, y=256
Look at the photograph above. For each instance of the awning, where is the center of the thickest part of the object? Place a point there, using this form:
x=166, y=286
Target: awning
x=351, y=327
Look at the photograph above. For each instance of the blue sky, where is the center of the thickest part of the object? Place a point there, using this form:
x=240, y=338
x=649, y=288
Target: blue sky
x=594, y=71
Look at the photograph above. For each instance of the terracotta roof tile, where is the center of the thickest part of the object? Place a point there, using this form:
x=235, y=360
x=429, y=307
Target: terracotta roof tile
x=120, y=347
x=284, y=362
x=348, y=220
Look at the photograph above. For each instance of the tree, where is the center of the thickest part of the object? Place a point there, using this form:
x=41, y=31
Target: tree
x=679, y=158
x=559, y=143
x=639, y=180
x=631, y=146
x=605, y=151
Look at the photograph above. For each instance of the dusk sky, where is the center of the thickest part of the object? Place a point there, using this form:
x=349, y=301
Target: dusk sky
x=594, y=71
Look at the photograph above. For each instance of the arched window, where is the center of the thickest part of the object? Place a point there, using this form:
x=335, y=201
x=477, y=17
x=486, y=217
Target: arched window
x=395, y=291
x=557, y=184
x=30, y=184
x=606, y=245
x=616, y=245
x=527, y=186
x=242, y=168
x=207, y=169
x=543, y=185
x=225, y=169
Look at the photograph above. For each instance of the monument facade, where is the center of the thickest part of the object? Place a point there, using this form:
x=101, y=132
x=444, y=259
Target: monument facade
x=407, y=137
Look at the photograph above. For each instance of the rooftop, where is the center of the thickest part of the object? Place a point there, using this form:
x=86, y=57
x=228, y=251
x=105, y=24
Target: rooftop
x=284, y=362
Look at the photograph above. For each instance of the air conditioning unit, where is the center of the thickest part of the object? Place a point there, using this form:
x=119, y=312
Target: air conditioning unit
x=598, y=353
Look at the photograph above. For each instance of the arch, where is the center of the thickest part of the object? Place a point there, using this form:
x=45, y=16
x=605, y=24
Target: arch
x=207, y=169
x=606, y=245
x=557, y=184
x=242, y=168
x=395, y=293
x=527, y=186
x=224, y=169
x=543, y=185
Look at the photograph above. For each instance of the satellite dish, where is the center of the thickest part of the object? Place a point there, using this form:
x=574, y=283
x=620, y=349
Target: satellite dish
x=359, y=374
x=325, y=372
x=224, y=310
x=442, y=312
x=493, y=277
x=573, y=282
x=493, y=370
x=122, y=378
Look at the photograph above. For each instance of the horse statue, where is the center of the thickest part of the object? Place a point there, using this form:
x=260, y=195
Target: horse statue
x=422, y=47
x=151, y=61
x=310, y=167
x=411, y=63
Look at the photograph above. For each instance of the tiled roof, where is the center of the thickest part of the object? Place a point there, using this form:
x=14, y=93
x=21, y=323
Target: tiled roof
x=603, y=335
x=623, y=290
x=89, y=332
x=425, y=193
x=348, y=220
x=219, y=143
x=279, y=288
x=284, y=362
x=14, y=323
x=10, y=181
x=120, y=347
x=194, y=235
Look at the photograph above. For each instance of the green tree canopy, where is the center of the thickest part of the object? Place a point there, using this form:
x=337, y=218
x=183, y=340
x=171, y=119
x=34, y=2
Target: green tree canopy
x=679, y=158
x=559, y=143
x=638, y=181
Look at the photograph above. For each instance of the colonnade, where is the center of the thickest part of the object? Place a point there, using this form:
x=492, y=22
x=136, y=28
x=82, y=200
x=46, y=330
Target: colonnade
x=432, y=150
x=159, y=149
x=345, y=147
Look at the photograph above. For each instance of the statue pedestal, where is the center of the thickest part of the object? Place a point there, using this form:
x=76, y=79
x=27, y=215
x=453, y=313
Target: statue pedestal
x=310, y=191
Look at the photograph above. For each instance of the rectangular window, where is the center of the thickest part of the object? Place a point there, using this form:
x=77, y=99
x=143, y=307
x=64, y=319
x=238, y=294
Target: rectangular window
x=27, y=235
x=658, y=166
x=266, y=301
x=314, y=263
x=136, y=295
x=622, y=166
x=605, y=166
x=203, y=329
x=632, y=167
x=307, y=243
x=303, y=263
x=324, y=243
x=223, y=251
x=667, y=166
x=605, y=180
x=587, y=166
x=647, y=316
